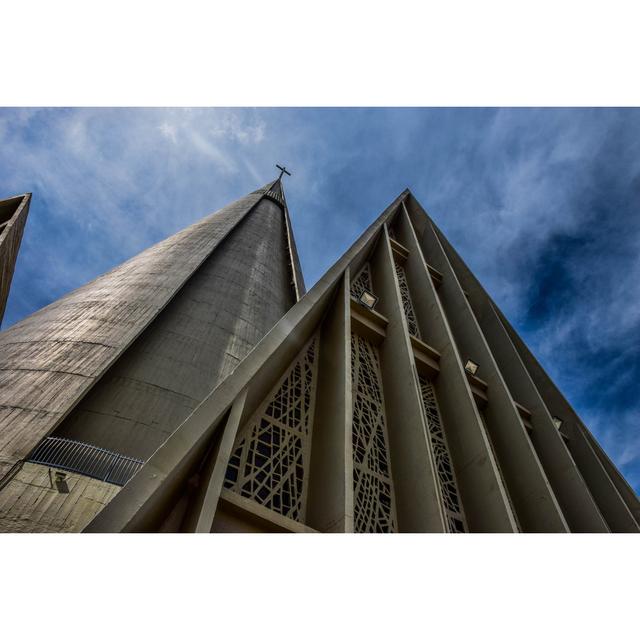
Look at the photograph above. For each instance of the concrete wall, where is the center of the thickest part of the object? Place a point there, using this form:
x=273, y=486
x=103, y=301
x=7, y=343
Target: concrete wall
x=32, y=501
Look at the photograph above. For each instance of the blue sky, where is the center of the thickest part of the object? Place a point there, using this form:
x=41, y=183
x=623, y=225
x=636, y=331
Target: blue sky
x=543, y=205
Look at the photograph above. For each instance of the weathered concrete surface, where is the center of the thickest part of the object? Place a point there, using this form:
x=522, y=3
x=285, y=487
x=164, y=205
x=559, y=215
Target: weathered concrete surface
x=231, y=301
x=13, y=217
x=330, y=502
x=51, y=359
x=32, y=502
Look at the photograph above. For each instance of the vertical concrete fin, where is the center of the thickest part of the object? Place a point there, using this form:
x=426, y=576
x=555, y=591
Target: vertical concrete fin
x=529, y=489
x=577, y=503
x=13, y=218
x=483, y=495
x=582, y=444
x=417, y=493
x=213, y=478
x=330, y=504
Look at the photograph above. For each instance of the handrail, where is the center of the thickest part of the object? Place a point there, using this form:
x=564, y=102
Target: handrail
x=85, y=459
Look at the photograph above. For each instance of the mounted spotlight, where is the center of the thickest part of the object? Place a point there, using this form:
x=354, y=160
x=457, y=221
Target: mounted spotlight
x=61, y=482
x=557, y=421
x=471, y=367
x=368, y=299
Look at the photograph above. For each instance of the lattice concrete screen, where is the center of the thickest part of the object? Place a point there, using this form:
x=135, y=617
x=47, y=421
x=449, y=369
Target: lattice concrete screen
x=407, y=305
x=270, y=463
x=373, y=489
x=362, y=282
x=444, y=467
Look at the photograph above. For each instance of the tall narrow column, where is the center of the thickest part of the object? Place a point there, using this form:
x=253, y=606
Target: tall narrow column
x=483, y=495
x=535, y=503
x=331, y=480
x=613, y=496
x=418, y=502
x=212, y=481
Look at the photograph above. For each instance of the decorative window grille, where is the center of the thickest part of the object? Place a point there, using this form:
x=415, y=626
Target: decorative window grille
x=409, y=312
x=362, y=282
x=270, y=463
x=444, y=468
x=374, y=509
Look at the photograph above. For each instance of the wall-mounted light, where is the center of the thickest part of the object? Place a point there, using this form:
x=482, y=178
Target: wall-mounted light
x=61, y=482
x=471, y=367
x=368, y=299
x=557, y=421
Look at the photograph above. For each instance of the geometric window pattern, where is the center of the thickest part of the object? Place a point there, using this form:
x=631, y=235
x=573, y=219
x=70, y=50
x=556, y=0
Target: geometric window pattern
x=362, y=282
x=409, y=313
x=374, y=509
x=444, y=469
x=271, y=458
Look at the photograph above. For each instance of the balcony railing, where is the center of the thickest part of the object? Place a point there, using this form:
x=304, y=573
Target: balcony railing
x=86, y=460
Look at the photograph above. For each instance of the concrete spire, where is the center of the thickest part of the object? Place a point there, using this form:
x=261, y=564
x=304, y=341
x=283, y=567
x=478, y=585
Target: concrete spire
x=120, y=362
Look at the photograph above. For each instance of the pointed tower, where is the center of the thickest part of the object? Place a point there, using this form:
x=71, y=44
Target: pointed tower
x=94, y=383
x=13, y=217
x=393, y=397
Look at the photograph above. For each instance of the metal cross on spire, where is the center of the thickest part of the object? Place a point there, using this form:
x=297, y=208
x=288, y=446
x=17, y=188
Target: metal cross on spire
x=282, y=170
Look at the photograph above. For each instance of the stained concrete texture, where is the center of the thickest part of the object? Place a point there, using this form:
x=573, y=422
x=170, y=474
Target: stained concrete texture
x=40, y=499
x=231, y=301
x=51, y=359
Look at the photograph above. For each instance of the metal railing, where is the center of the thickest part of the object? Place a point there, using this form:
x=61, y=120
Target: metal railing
x=85, y=459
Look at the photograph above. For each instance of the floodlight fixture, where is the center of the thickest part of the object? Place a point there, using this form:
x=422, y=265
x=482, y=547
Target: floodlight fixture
x=471, y=367
x=368, y=299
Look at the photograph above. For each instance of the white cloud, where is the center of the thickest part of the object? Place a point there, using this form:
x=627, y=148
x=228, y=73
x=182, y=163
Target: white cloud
x=169, y=131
